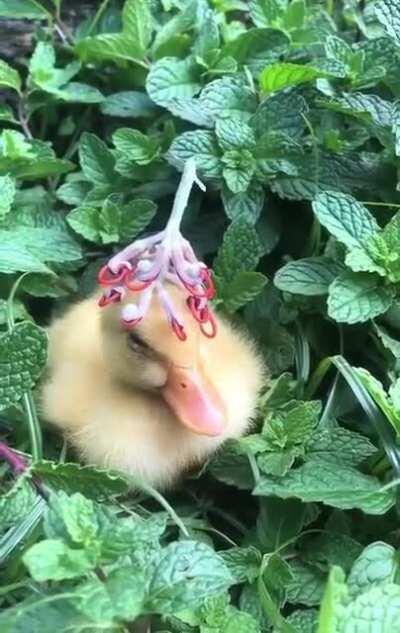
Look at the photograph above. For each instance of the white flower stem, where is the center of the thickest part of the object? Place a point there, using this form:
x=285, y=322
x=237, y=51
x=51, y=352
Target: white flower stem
x=189, y=177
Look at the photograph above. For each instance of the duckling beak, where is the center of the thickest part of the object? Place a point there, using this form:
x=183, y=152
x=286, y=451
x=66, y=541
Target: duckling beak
x=195, y=401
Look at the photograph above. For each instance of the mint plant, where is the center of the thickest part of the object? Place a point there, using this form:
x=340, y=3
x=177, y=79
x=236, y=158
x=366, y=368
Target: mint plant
x=289, y=111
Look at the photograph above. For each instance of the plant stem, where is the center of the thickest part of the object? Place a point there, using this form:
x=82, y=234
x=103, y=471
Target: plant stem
x=381, y=204
x=97, y=16
x=23, y=119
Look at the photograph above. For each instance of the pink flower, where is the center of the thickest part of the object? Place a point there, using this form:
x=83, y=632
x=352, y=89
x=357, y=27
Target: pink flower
x=148, y=264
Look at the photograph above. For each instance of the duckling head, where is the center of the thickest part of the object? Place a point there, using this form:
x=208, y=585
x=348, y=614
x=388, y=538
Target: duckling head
x=210, y=384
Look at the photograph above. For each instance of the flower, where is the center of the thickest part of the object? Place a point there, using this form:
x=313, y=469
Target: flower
x=148, y=264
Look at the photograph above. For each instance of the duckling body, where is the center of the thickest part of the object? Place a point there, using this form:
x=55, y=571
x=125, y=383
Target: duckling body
x=110, y=390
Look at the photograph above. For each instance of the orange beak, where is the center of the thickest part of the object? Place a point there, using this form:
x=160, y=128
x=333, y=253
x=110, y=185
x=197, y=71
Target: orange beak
x=195, y=401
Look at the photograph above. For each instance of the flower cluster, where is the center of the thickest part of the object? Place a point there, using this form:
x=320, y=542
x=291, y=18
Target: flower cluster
x=148, y=265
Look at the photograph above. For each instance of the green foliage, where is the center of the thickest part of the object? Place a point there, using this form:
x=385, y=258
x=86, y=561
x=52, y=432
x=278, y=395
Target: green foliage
x=290, y=109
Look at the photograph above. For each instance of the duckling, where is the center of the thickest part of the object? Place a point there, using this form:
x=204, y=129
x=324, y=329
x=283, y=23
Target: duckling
x=141, y=401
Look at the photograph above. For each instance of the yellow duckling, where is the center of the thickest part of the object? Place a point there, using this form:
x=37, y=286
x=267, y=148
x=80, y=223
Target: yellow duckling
x=141, y=386
x=142, y=401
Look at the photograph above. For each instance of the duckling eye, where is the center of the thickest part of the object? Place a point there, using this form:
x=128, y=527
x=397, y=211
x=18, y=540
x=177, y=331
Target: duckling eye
x=136, y=343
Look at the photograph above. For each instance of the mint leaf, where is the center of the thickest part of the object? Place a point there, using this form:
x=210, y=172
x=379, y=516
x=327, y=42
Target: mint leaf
x=171, y=78
x=243, y=563
x=343, y=487
x=200, y=145
x=94, y=483
x=138, y=147
x=246, y=205
x=256, y=48
x=240, y=251
x=377, y=608
x=358, y=297
x=16, y=503
x=345, y=218
x=310, y=276
x=96, y=160
x=266, y=12
x=114, y=222
x=238, y=169
x=9, y=77
x=120, y=597
x=229, y=97
x=243, y=288
x=376, y=566
x=279, y=76
x=335, y=443
x=388, y=14
x=130, y=44
x=186, y=573
x=138, y=22
x=128, y=103
x=307, y=585
x=23, y=353
x=281, y=112
x=52, y=559
x=234, y=134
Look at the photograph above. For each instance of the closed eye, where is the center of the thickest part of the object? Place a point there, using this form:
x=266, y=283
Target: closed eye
x=137, y=343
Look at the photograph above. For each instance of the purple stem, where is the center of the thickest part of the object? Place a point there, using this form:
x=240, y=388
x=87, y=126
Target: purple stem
x=16, y=462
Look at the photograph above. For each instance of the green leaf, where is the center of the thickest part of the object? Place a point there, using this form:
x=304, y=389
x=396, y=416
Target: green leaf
x=335, y=443
x=53, y=244
x=17, y=502
x=310, y=276
x=184, y=574
x=23, y=353
x=16, y=258
x=343, y=487
x=256, y=48
x=266, y=12
x=378, y=608
x=172, y=78
x=246, y=205
x=231, y=466
x=240, y=251
x=238, y=170
x=307, y=585
x=200, y=145
x=234, y=134
x=277, y=463
x=94, y=483
x=7, y=194
x=51, y=559
x=377, y=565
x=130, y=44
x=138, y=22
x=345, y=218
x=128, y=104
x=358, y=297
x=281, y=112
x=243, y=563
x=140, y=148
x=9, y=77
x=279, y=76
x=96, y=160
x=73, y=192
x=114, y=222
x=243, y=288
x=388, y=14
x=22, y=9
x=120, y=597
x=229, y=97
